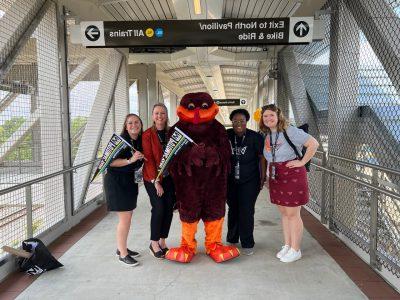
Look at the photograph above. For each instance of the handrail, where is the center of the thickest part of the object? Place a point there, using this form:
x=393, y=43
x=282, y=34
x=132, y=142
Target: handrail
x=43, y=178
x=365, y=164
x=383, y=191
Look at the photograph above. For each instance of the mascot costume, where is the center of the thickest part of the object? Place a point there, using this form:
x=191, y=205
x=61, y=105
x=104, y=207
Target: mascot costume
x=200, y=176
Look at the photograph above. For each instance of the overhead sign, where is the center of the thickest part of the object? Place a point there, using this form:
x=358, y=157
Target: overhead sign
x=211, y=32
x=230, y=102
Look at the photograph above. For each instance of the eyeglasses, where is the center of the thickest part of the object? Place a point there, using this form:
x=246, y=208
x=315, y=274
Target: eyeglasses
x=239, y=122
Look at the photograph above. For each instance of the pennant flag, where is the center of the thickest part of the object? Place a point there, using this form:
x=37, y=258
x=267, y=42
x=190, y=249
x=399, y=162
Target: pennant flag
x=114, y=146
x=176, y=143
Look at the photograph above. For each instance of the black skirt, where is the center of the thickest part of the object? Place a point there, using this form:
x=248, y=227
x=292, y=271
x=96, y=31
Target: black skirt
x=121, y=191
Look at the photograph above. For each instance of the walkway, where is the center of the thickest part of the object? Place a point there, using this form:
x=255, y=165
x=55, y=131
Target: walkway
x=92, y=271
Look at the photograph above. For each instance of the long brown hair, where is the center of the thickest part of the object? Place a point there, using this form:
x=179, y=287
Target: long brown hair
x=124, y=131
x=282, y=122
x=166, y=112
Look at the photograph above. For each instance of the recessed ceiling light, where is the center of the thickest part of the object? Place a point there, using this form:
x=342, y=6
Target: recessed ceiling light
x=197, y=7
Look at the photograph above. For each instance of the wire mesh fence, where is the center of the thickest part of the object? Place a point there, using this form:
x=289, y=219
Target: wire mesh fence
x=30, y=126
x=93, y=76
x=352, y=83
x=31, y=143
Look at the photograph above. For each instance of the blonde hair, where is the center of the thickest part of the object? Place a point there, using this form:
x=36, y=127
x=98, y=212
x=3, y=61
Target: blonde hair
x=166, y=112
x=282, y=122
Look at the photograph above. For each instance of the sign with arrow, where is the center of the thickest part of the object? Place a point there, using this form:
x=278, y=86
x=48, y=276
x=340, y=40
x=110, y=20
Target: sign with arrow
x=92, y=33
x=301, y=29
x=230, y=102
x=210, y=32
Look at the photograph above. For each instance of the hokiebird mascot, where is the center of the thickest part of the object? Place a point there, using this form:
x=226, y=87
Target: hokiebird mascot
x=200, y=176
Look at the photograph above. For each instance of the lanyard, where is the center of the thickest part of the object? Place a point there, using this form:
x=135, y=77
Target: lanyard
x=273, y=146
x=162, y=142
x=237, y=149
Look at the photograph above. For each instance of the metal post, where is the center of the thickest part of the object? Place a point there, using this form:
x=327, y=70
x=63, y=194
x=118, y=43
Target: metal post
x=324, y=181
x=373, y=237
x=28, y=201
x=65, y=113
x=331, y=198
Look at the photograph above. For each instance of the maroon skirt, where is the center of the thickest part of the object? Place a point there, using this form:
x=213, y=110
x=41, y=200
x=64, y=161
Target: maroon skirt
x=290, y=186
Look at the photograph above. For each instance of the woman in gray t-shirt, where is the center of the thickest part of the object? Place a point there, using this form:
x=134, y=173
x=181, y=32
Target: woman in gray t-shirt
x=287, y=176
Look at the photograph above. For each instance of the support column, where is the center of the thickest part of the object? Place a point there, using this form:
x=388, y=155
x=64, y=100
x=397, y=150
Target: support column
x=145, y=76
x=381, y=26
x=282, y=100
x=96, y=122
x=172, y=106
x=152, y=90
x=293, y=85
x=271, y=91
x=121, y=97
x=49, y=112
x=342, y=109
x=343, y=82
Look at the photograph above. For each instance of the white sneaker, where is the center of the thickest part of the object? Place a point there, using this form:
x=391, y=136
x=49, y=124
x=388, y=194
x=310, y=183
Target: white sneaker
x=283, y=251
x=291, y=256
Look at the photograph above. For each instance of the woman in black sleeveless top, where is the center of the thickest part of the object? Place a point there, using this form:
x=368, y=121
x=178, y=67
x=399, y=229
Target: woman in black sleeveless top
x=120, y=189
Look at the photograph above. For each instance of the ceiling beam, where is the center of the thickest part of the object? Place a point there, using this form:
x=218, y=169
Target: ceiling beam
x=239, y=68
x=220, y=54
x=181, y=69
x=192, y=84
x=169, y=83
x=227, y=83
x=247, y=78
x=105, y=2
x=197, y=76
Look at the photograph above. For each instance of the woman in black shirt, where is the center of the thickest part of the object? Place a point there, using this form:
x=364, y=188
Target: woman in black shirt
x=120, y=188
x=244, y=181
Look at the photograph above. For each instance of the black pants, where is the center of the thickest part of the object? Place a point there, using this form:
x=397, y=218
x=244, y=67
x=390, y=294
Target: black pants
x=241, y=201
x=162, y=208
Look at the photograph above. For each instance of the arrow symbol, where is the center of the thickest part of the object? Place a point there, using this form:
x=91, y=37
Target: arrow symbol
x=301, y=29
x=91, y=33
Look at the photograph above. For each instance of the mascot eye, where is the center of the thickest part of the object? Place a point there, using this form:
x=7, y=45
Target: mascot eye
x=191, y=106
x=204, y=105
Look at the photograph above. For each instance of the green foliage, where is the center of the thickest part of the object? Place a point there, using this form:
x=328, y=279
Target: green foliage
x=9, y=127
x=24, y=149
x=36, y=225
x=77, y=126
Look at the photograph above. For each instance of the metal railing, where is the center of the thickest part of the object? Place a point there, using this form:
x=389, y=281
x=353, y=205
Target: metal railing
x=29, y=207
x=379, y=217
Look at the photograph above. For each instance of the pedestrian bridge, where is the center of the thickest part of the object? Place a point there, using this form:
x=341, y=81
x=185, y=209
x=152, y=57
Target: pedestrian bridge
x=60, y=102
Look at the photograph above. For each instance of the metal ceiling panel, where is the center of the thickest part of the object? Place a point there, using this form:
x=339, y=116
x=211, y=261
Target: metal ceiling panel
x=259, y=8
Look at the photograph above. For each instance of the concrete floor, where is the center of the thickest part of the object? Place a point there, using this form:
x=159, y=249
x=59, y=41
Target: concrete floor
x=92, y=271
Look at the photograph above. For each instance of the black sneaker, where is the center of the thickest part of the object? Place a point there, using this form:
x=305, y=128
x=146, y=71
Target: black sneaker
x=134, y=254
x=159, y=254
x=129, y=261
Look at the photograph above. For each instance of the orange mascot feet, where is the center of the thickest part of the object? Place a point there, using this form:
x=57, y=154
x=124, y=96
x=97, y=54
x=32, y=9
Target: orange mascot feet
x=223, y=253
x=215, y=249
x=185, y=253
x=182, y=254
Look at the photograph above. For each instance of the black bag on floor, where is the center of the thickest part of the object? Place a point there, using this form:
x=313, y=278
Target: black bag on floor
x=41, y=259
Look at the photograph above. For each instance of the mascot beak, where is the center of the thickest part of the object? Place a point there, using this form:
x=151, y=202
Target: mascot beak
x=196, y=119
